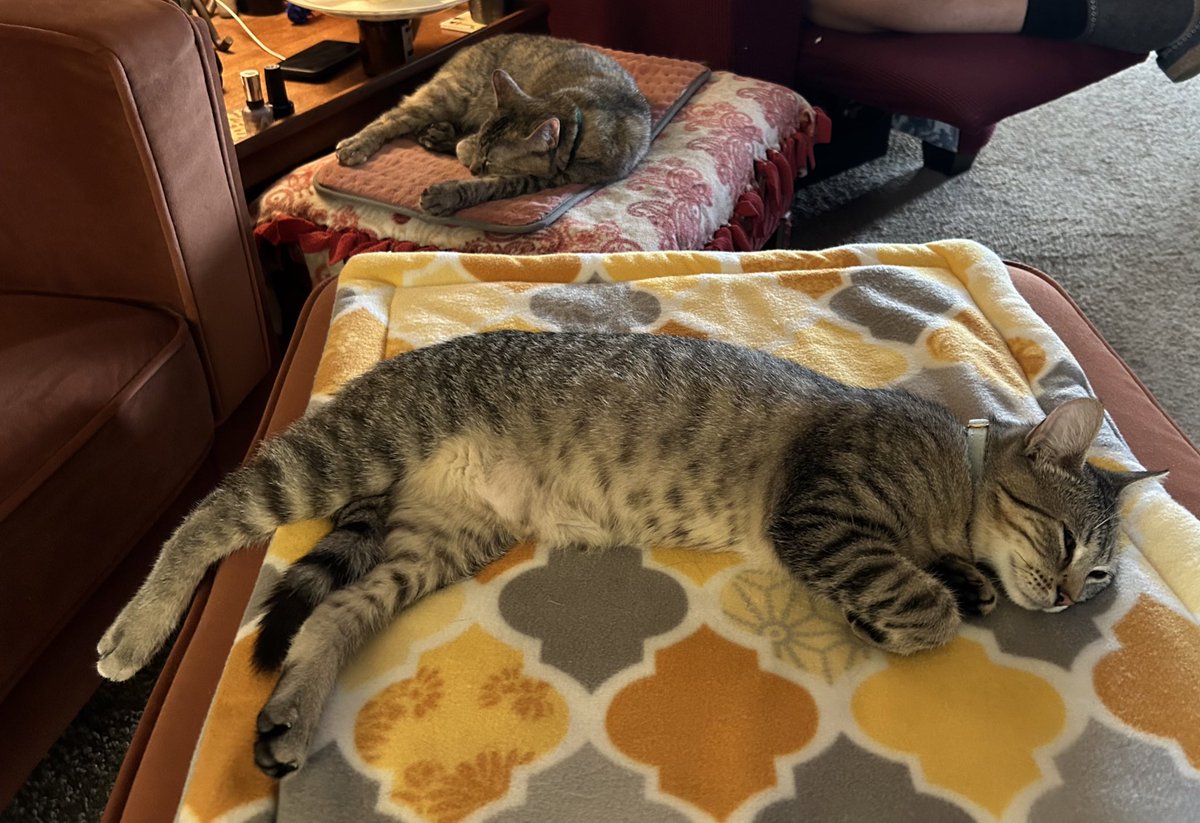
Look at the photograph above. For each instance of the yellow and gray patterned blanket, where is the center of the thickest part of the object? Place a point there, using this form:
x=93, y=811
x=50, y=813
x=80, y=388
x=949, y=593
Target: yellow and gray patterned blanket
x=667, y=685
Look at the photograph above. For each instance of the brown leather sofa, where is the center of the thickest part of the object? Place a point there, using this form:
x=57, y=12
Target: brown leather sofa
x=132, y=329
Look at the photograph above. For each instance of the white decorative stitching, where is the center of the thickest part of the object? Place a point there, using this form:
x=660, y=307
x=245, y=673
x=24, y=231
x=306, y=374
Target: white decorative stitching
x=1166, y=51
x=1091, y=24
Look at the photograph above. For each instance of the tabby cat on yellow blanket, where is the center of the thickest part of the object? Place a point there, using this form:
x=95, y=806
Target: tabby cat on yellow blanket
x=434, y=463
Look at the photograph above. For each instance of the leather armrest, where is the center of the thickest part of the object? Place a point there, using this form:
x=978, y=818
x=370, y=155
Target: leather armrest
x=120, y=179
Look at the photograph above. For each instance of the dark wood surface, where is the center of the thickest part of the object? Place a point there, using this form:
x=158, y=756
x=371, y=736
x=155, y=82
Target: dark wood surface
x=327, y=112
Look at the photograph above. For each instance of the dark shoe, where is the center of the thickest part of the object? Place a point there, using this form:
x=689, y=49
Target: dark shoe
x=1181, y=59
x=1140, y=26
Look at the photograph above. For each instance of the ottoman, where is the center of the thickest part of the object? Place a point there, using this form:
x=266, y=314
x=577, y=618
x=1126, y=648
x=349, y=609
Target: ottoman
x=1073, y=659
x=719, y=176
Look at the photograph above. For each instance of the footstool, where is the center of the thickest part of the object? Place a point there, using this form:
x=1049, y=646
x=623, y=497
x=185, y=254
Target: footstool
x=720, y=176
x=1085, y=684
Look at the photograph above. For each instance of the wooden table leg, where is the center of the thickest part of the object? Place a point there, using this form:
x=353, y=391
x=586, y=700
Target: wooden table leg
x=386, y=44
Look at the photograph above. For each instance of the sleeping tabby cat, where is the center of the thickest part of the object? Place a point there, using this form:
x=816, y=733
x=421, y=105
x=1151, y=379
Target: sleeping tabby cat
x=523, y=112
x=435, y=462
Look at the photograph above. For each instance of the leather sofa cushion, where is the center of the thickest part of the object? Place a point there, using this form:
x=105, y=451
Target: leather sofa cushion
x=100, y=401
x=65, y=360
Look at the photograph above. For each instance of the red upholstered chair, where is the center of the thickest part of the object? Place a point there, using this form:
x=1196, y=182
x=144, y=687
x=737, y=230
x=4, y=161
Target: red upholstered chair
x=967, y=82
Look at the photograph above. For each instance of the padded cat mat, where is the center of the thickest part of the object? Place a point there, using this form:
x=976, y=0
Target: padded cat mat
x=402, y=169
x=670, y=685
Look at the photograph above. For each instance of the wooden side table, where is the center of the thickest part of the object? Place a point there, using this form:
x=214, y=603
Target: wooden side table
x=327, y=112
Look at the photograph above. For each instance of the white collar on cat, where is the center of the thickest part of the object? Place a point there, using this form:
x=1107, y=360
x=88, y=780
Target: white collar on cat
x=977, y=432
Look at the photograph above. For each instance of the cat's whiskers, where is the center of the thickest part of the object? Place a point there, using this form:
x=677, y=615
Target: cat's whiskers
x=1106, y=522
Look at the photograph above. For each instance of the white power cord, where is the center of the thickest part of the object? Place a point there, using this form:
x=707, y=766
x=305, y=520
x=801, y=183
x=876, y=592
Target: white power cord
x=246, y=28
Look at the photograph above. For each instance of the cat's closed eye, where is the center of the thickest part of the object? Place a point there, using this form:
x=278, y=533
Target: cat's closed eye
x=1068, y=546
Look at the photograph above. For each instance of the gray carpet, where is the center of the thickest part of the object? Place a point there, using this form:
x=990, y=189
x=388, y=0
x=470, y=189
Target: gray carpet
x=73, y=781
x=1101, y=190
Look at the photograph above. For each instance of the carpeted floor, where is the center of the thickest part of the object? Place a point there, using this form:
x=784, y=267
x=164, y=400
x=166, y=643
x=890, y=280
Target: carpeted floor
x=1101, y=190
x=73, y=781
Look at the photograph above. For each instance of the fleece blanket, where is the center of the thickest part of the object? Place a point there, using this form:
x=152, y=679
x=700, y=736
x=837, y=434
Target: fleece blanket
x=395, y=177
x=666, y=685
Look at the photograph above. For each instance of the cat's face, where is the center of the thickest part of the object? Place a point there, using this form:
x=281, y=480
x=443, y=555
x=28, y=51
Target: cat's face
x=1046, y=521
x=521, y=138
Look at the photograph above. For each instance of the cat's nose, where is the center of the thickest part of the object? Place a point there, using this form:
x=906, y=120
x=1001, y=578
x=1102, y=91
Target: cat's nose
x=1064, y=599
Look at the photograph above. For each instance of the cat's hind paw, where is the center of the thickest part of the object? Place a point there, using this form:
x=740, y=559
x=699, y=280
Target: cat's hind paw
x=285, y=726
x=278, y=747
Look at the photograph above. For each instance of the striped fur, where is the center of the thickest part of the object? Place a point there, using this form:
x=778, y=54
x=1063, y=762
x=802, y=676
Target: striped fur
x=523, y=112
x=353, y=548
x=436, y=462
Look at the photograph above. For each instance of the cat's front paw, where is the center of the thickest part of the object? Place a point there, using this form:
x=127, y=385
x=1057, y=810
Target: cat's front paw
x=439, y=137
x=440, y=199
x=923, y=616
x=354, y=151
x=467, y=151
x=973, y=591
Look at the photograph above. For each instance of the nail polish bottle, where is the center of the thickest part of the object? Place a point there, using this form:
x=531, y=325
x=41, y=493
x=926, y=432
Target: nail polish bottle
x=277, y=95
x=255, y=116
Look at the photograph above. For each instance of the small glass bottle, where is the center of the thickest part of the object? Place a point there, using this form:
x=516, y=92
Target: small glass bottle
x=255, y=116
x=277, y=96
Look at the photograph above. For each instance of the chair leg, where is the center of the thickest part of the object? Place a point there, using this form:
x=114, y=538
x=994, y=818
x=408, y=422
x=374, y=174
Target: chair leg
x=945, y=161
x=860, y=135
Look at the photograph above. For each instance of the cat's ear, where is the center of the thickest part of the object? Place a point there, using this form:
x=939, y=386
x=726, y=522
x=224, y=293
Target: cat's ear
x=545, y=137
x=506, y=88
x=1063, y=438
x=1122, y=480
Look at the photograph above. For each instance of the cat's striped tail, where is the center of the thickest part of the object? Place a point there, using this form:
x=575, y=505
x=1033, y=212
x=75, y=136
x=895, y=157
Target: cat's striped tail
x=349, y=551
